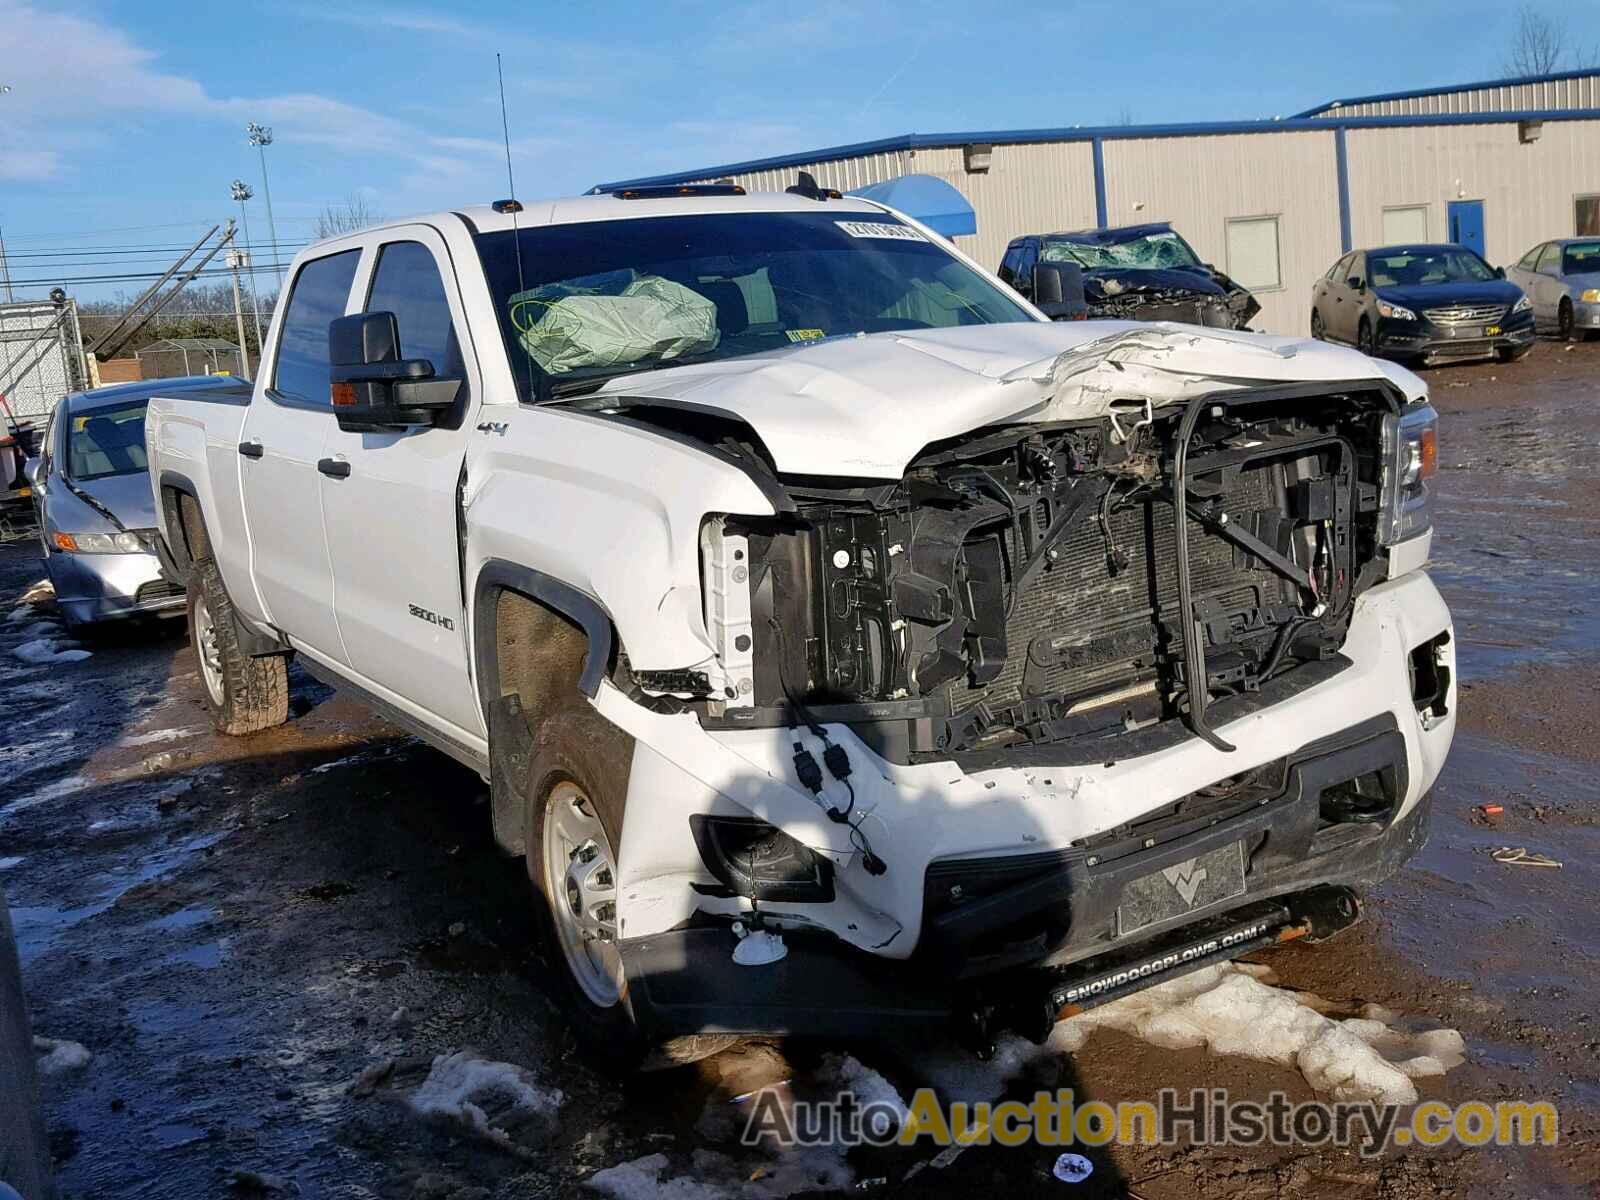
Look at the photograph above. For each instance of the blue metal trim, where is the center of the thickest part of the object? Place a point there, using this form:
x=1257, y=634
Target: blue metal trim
x=1342, y=164
x=1088, y=133
x=1451, y=90
x=1100, y=183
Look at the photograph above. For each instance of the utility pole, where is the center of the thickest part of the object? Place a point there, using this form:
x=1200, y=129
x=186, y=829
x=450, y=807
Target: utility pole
x=238, y=308
x=241, y=192
x=5, y=267
x=261, y=138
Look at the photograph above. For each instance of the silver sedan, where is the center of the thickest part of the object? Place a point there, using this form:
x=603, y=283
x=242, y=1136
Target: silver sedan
x=1562, y=280
x=97, y=515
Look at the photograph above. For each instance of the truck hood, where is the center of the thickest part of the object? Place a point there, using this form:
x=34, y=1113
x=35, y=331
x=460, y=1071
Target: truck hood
x=1101, y=282
x=865, y=406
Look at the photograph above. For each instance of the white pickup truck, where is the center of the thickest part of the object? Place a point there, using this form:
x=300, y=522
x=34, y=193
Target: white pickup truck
x=846, y=644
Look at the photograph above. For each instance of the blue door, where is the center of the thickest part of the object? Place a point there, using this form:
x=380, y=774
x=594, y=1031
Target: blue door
x=1466, y=224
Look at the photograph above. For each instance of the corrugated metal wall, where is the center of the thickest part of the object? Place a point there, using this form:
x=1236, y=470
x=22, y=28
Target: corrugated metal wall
x=1198, y=183
x=1580, y=92
x=1527, y=189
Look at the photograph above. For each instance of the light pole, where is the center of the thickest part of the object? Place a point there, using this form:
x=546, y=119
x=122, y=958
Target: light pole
x=241, y=192
x=261, y=138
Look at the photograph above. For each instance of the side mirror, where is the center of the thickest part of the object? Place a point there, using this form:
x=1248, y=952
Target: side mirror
x=33, y=472
x=372, y=387
x=1058, y=291
x=1358, y=283
x=1499, y=272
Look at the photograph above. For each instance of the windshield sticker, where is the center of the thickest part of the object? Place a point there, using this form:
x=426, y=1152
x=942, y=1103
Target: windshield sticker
x=880, y=229
x=804, y=335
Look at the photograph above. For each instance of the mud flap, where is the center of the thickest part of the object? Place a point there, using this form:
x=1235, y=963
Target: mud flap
x=510, y=755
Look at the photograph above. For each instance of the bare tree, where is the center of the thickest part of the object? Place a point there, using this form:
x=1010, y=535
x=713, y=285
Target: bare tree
x=346, y=217
x=1538, y=44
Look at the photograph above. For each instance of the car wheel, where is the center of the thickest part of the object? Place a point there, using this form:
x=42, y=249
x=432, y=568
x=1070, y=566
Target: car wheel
x=1565, y=321
x=242, y=694
x=577, y=788
x=1317, y=329
x=1366, y=339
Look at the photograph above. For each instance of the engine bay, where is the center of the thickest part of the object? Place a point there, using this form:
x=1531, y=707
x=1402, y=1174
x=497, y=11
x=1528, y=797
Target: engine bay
x=1023, y=587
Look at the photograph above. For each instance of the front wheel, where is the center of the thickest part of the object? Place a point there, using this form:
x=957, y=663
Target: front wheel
x=1566, y=323
x=1318, y=331
x=1367, y=339
x=242, y=694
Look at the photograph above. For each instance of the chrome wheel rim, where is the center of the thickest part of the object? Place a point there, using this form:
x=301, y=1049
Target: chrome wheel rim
x=580, y=877
x=208, y=651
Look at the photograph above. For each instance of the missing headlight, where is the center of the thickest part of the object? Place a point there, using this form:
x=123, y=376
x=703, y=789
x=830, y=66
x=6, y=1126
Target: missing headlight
x=752, y=858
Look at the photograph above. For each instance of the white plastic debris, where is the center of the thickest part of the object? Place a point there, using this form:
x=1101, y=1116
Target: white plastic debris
x=58, y=1057
x=757, y=947
x=47, y=650
x=462, y=1087
x=1072, y=1168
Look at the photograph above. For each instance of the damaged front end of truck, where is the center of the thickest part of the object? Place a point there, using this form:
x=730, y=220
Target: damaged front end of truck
x=1136, y=680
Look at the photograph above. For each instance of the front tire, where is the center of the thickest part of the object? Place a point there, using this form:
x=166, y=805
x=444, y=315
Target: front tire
x=1318, y=332
x=1566, y=322
x=1366, y=339
x=242, y=694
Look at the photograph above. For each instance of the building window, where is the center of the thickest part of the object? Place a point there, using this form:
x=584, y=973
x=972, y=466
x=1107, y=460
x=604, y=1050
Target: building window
x=1407, y=225
x=1586, y=220
x=1253, y=261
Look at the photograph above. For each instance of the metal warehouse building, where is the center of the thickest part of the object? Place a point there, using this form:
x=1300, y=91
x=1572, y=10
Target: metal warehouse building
x=1499, y=166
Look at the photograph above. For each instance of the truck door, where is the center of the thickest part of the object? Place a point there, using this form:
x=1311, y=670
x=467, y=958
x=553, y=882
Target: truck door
x=280, y=446
x=391, y=520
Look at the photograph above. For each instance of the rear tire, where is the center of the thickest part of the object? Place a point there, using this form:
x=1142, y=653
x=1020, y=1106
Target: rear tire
x=242, y=694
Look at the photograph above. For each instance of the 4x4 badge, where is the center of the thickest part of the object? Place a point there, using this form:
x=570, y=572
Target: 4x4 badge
x=1186, y=879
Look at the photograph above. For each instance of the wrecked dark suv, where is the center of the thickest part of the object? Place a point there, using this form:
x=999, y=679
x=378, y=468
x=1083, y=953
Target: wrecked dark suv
x=1134, y=273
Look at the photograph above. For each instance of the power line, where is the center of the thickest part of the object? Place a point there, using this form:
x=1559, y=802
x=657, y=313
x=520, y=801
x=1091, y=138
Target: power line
x=254, y=268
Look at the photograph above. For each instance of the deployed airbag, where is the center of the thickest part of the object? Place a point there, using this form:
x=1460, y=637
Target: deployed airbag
x=651, y=319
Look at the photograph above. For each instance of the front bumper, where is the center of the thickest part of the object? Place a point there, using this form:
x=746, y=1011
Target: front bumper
x=1585, y=314
x=1437, y=343
x=103, y=587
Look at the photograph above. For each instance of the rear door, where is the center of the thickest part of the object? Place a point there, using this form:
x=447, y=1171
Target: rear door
x=280, y=446
x=1523, y=274
x=390, y=510
x=1548, y=287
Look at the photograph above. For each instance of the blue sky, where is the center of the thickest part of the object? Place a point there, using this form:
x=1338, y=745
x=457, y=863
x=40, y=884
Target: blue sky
x=125, y=122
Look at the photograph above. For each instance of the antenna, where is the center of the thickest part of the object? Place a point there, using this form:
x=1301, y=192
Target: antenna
x=511, y=182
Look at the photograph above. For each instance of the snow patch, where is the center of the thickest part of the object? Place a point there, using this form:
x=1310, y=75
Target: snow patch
x=66, y=786
x=715, y=1176
x=464, y=1088
x=58, y=1057
x=156, y=735
x=1229, y=1010
x=7, y=863
x=48, y=650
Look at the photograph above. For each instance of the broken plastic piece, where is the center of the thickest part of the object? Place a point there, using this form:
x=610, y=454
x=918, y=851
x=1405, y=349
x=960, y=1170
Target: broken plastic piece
x=757, y=948
x=1521, y=856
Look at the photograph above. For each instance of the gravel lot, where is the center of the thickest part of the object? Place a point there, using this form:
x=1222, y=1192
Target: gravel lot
x=265, y=943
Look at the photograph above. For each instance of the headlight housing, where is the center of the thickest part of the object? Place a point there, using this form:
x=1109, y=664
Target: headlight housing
x=1522, y=305
x=1410, y=458
x=1395, y=312
x=99, y=543
x=1590, y=296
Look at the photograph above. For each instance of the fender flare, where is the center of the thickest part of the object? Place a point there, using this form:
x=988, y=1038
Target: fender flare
x=583, y=610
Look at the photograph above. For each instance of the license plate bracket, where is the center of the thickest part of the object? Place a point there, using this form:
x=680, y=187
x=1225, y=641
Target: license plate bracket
x=1182, y=888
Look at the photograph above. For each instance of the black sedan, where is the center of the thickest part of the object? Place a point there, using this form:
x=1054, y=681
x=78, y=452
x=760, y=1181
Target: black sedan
x=1424, y=303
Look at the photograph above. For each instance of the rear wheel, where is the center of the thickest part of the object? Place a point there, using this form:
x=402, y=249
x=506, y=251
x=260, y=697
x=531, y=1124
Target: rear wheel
x=242, y=694
x=1566, y=324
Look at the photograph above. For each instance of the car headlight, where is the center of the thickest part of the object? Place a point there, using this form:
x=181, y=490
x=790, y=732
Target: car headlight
x=1410, y=457
x=1395, y=312
x=754, y=859
x=1590, y=296
x=1522, y=305
x=99, y=543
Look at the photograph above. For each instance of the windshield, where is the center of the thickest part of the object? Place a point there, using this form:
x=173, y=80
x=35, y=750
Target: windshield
x=106, y=442
x=1581, y=258
x=599, y=299
x=1156, y=250
x=1407, y=268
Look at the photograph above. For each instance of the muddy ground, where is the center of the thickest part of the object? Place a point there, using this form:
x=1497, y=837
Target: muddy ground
x=237, y=929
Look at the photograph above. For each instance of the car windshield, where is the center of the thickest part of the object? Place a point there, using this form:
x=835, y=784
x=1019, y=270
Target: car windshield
x=1408, y=268
x=1157, y=249
x=106, y=441
x=590, y=301
x=1581, y=258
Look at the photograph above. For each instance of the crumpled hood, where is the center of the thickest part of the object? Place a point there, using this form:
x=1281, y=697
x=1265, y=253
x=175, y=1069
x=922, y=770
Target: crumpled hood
x=1104, y=283
x=128, y=496
x=866, y=406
